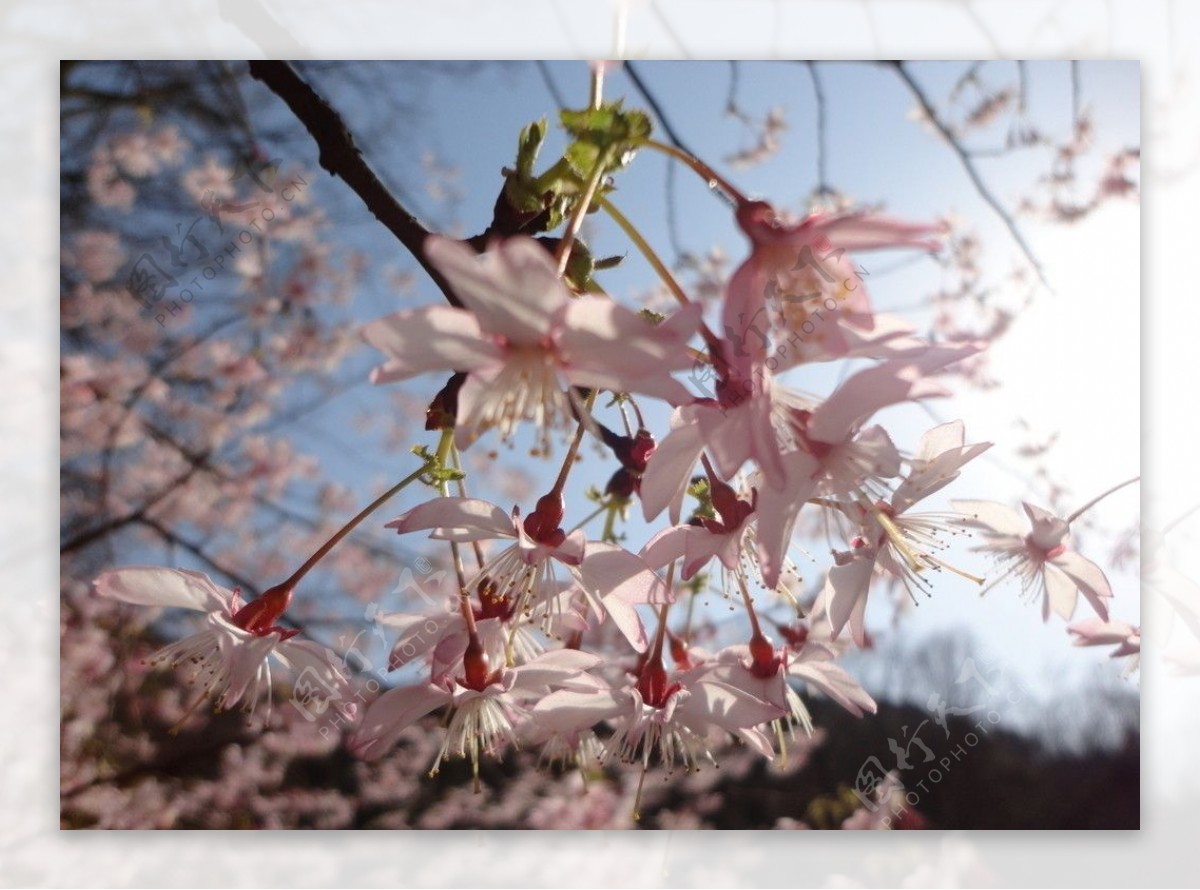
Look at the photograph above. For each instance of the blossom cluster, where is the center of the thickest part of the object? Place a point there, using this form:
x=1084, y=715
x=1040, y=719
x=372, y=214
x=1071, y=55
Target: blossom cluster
x=576, y=645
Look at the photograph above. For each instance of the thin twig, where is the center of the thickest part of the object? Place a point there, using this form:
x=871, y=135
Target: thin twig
x=969, y=167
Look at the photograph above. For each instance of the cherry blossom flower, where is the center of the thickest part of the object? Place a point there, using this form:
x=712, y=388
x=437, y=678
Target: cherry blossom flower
x=764, y=672
x=522, y=576
x=810, y=254
x=890, y=537
x=676, y=719
x=838, y=456
x=486, y=706
x=522, y=339
x=1039, y=557
x=1098, y=632
x=230, y=658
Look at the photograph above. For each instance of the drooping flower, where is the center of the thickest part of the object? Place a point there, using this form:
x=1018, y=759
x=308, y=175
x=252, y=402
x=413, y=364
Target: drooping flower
x=486, y=707
x=802, y=267
x=757, y=419
x=837, y=456
x=1037, y=553
x=523, y=575
x=766, y=673
x=677, y=720
x=1124, y=636
x=902, y=543
x=230, y=658
x=522, y=339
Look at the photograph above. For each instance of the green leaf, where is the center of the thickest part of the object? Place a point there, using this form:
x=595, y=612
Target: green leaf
x=528, y=146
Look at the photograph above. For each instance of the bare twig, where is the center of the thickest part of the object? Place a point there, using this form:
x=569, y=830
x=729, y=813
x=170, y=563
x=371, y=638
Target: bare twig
x=822, y=133
x=970, y=169
x=663, y=120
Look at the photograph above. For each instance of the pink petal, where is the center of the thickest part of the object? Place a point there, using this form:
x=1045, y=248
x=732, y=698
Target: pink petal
x=1061, y=594
x=715, y=703
x=607, y=346
x=392, y=713
x=870, y=231
x=611, y=571
x=154, y=586
x=625, y=619
x=553, y=668
x=815, y=664
x=744, y=317
x=865, y=393
x=308, y=660
x=457, y=519
x=513, y=288
x=669, y=470
x=569, y=711
x=1088, y=576
x=434, y=338
x=244, y=656
x=1048, y=530
x=846, y=594
x=777, y=512
x=740, y=433
x=666, y=546
x=1098, y=632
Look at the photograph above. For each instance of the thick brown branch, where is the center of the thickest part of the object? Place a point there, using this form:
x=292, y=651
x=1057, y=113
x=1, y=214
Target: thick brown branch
x=342, y=158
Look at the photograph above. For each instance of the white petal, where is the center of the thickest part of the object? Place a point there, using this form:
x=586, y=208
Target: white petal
x=1088, y=576
x=154, y=586
x=991, y=516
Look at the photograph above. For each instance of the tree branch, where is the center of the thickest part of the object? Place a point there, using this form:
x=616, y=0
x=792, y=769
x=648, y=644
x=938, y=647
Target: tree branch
x=971, y=171
x=342, y=158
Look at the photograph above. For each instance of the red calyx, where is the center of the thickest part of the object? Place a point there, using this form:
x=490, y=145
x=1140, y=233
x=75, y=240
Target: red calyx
x=476, y=670
x=544, y=524
x=679, y=652
x=653, y=684
x=764, y=660
x=259, y=616
x=796, y=635
x=443, y=409
x=732, y=510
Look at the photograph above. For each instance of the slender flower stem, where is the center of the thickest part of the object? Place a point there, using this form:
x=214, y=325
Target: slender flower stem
x=632, y=233
x=643, y=246
x=636, y=410
x=351, y=525
x=581, y=208
x=569, y=461
x=1098, y=498
x=610, y=533
x=445, y=446
x=706, y=172
x=756, y=631
x=604, y=505
x=661, y=634
x=461, y=485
